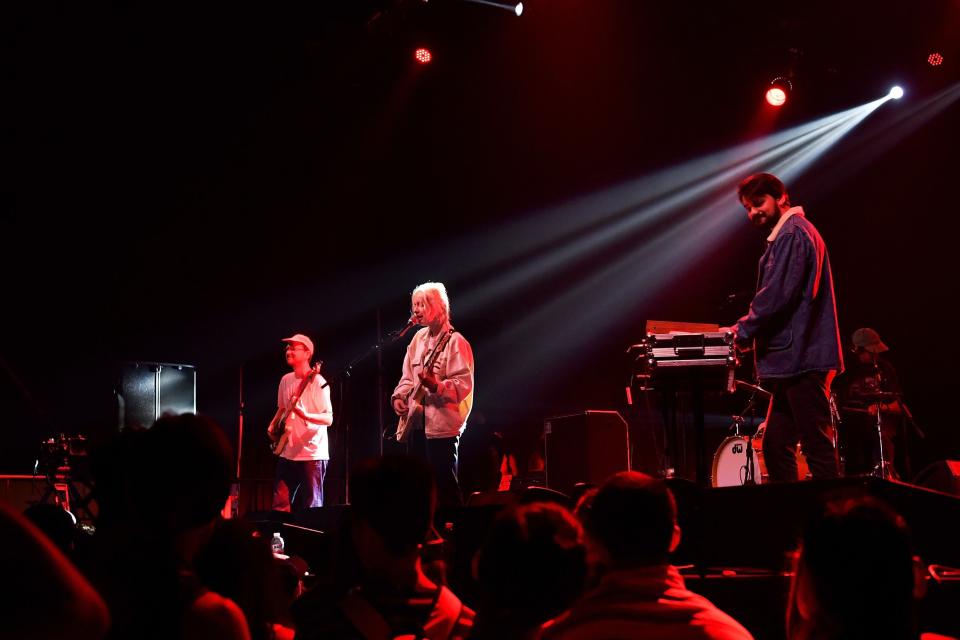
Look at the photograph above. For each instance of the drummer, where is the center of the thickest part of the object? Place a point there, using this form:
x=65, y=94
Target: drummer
x=870, y=385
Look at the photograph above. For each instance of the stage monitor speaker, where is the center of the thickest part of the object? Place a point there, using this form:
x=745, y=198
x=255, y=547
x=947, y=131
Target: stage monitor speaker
x=147, y=390
x=585, y=447
x=943, y=475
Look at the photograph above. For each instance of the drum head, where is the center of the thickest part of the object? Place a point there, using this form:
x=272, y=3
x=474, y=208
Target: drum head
x=730, y=463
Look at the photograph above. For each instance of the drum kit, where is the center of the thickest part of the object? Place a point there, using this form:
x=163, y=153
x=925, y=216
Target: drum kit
x=875, y=400
x=63, y=461
x=739, y=458
x=690, y=357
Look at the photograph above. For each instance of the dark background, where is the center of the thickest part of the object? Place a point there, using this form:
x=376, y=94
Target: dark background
x=191, y=184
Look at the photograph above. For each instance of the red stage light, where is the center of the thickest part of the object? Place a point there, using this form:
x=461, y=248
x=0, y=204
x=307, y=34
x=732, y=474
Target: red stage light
x=935, y=59
x=422, y=55
x=776, y=96
x=779, y=91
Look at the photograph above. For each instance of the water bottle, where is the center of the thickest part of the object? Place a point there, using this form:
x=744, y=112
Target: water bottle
x=276, y=545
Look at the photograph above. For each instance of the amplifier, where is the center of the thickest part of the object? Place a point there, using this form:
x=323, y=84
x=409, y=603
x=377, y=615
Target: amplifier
x=585, y=447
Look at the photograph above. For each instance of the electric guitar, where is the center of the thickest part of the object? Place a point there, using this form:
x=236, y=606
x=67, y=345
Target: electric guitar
x=417, y=393
x=279, y=431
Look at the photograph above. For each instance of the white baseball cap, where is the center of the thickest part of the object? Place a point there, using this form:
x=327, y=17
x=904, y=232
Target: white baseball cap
x=302, y=339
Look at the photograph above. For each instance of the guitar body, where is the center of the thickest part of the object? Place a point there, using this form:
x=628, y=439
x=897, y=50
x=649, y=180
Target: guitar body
x=278, y=445
x=413, y=415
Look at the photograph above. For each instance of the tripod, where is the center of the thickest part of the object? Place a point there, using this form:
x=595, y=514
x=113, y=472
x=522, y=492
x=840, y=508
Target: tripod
x=884, y=468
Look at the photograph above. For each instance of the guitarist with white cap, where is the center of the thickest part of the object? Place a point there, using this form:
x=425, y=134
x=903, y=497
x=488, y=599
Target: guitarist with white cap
x=298, y=431
x=435, y=393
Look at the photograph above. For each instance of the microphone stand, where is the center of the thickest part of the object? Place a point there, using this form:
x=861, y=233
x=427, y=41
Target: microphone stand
x=837, y=424
x=235, y=487
x=343, y=376
x=749, y=477
x=884, y=471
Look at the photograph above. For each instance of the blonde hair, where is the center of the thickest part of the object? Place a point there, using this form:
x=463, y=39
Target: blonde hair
x=437, y=293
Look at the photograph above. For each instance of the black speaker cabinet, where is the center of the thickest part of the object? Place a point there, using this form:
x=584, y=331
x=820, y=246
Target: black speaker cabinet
x=585, y=447
x=147, y=390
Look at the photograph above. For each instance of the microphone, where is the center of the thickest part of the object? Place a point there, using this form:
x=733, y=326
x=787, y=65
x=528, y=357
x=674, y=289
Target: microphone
x=410, y=323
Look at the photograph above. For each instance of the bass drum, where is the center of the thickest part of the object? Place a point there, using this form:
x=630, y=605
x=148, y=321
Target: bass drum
x=730, y=461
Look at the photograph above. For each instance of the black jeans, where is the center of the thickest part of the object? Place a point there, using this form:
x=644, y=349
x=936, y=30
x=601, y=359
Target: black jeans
x=799, y=411
x=442, y=456
x=298, y=484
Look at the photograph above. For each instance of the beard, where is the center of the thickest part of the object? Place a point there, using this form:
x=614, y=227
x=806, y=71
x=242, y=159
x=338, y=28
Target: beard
x=764, y=222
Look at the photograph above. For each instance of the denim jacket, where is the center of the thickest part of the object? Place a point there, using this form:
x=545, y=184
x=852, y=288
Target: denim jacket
x=792, y=319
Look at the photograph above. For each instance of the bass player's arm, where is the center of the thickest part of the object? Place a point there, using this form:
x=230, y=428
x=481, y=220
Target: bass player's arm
x=274, y=421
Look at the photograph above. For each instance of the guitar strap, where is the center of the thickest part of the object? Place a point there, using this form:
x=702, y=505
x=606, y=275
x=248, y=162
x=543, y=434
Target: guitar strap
x=441, y=343
x=311, y=375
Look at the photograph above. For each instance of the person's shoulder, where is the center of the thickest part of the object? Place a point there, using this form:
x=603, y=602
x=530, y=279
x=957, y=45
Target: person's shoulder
x=716, y=623
x=796, y=223
x=802, y=223
x=212, y=615
x=458, y=340
x=798, y=232
x=450, y=608
x=463, y=627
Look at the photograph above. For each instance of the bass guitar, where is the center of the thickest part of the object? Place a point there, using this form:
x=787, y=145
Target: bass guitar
x=278, y=430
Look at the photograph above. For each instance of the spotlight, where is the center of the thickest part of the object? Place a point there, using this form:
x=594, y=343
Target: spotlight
x=422, y=55
x=935, y=59
x=515, y=7
x=776, y=96
x=778, y=92
x=896, y=93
